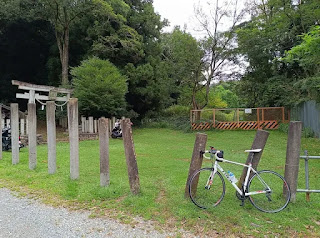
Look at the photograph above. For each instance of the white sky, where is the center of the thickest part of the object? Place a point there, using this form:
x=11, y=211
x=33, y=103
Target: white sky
x=181, y=12
x=178, y=12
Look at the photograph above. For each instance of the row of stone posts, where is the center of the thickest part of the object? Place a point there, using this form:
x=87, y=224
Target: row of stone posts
x=90, y=125
x=23, y=125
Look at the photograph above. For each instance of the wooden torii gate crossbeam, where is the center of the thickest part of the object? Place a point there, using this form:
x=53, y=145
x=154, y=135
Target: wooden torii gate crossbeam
x=32, y=95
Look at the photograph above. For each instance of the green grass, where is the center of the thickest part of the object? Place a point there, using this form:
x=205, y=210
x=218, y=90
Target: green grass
x=163, y=158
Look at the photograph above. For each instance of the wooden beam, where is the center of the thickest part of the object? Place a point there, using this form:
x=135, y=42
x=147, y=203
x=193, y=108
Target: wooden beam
x=42, y=88
x=40, y=97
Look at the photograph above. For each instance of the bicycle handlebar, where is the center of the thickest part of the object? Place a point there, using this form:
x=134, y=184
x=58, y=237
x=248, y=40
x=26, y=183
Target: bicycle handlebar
x=218, y=153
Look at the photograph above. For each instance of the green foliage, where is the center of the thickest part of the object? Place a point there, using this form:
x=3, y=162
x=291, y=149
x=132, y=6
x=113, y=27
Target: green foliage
x=273, y=30
x=100, y=88
x=307, y=54
x=177, y=111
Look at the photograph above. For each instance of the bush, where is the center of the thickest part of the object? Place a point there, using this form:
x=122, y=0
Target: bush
x=177, y=111
x=100, y=88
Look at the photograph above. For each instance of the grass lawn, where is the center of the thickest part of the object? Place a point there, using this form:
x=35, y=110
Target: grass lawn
x=163, y=158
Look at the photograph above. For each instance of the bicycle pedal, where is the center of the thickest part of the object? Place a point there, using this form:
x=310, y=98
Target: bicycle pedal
x=242, y=203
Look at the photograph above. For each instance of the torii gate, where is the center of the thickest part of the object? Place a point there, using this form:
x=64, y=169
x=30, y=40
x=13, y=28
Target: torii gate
x=50, y=99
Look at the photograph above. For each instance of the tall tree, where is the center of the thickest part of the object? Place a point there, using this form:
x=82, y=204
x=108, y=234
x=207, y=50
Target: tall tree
x=218, y=43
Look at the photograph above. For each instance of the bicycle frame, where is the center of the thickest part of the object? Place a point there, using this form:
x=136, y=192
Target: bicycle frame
x=217, y=167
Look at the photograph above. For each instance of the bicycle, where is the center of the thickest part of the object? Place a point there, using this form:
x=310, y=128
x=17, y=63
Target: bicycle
x=267, y=190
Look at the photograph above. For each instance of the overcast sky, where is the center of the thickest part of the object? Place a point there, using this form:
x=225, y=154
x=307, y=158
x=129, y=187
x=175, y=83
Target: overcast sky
x=181, y=12
x=178, y=12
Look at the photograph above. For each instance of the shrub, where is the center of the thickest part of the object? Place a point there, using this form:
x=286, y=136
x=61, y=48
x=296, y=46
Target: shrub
x=100, y=88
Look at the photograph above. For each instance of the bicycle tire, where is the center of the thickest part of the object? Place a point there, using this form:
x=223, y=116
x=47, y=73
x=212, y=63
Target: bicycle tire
x=202, y=196
x=272, y=202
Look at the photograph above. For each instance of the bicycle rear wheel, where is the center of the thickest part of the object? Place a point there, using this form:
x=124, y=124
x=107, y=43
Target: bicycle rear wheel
x=275, y=200
x=206, y=189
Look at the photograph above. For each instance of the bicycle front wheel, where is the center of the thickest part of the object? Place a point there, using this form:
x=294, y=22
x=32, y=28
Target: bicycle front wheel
x=276, y=198
x=206, y=189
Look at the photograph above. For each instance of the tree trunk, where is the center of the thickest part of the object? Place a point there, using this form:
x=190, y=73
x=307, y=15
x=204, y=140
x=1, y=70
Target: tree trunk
x=65, y=58
x=63, y=46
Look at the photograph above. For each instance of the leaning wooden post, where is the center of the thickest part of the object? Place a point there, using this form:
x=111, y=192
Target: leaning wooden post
x=259, y=143
x=32, y=135
x=130, y=156
x=103, y=125
x=197, y=157
x=14, y=111
x=293, y=156
x=73, y=137
x=1, y=126
x=51, y=134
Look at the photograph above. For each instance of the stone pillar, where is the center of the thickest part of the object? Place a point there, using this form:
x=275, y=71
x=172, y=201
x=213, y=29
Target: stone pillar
x=73, y=137
x=131, y=160
x=87, y=126
x=113, y=122
x=32, y=136
x=22, y=126
x=90, y=124
x=8, y=123
x=51, y=136
x=197, y=157
x=2, y=123
x=293, y=157
x=95, y=126
x=104, y=151
x=14, y=112
x=83, y=124
x=259, y=142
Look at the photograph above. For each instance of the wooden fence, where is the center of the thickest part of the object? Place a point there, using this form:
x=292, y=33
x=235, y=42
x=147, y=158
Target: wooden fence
x=239, y=118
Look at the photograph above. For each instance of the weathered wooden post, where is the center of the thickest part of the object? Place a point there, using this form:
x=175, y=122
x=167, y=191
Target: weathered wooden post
x=1, y=126
x=32, y=135
x=130, y=156
x=14, y=112
x=293, y=156
x=51, y=136
x=259, y=142
x=103, y=124
x=197, y=157
x=73, y=137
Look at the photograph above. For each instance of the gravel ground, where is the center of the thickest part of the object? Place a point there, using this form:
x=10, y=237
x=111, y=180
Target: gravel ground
x=28, y=218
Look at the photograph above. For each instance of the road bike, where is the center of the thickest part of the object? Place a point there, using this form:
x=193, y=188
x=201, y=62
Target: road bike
x=267, y=190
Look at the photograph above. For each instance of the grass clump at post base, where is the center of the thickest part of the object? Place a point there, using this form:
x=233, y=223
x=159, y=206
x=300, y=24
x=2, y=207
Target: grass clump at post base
x=163, y=158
